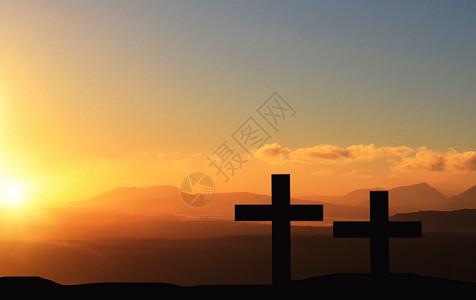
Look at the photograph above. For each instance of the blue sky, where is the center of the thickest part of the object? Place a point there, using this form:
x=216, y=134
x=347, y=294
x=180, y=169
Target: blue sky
x=109, y=80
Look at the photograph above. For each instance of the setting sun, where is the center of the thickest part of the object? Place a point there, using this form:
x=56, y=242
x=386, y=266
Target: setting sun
x=11, y=193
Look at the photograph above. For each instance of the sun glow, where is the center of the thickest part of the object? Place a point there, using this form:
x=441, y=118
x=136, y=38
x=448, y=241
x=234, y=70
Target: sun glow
x=11, y=193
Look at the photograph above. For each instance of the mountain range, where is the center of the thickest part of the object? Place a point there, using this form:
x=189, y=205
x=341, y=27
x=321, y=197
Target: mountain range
x=159, y=212
x=408, y=198
x=165, y=200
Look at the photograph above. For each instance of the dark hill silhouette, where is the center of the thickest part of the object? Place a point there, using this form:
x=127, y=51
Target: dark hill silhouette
x=230, y=259
x=408, y=286
x=458, y=221
x=466, y=199
x=30, y=281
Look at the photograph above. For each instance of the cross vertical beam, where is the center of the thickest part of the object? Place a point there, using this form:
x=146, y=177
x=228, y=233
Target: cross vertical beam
x=379, y=263
x=281, y=228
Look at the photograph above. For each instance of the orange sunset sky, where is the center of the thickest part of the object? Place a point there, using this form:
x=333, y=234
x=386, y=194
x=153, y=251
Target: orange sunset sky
x=100, y=94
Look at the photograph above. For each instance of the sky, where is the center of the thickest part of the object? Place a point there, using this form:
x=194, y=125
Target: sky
x=100, y=94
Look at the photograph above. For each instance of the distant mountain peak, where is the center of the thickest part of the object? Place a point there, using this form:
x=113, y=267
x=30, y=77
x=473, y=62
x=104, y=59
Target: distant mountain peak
x=416, y=185
x=419, y=187
x=122, y=188
x=471, y=192
x=131, y=194
x=466, y=199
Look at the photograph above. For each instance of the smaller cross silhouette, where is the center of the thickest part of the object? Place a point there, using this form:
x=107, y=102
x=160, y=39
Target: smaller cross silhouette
x=280, y=213
x=379, y=230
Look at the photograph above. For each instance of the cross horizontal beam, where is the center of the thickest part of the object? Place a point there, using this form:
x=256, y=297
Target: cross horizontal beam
x=253, y=212
x=256, y=212
x=367, y=229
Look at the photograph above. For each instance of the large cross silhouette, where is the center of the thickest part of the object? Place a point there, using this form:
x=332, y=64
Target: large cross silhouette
x=280, y=213
x=379, y=229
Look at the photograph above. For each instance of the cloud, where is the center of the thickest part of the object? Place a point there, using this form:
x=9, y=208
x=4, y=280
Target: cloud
x=430, y=160
x=330, y=154
x=272, y=151
x=401, y=158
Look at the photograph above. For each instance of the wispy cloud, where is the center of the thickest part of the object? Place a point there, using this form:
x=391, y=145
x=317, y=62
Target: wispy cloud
x=330, y=154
